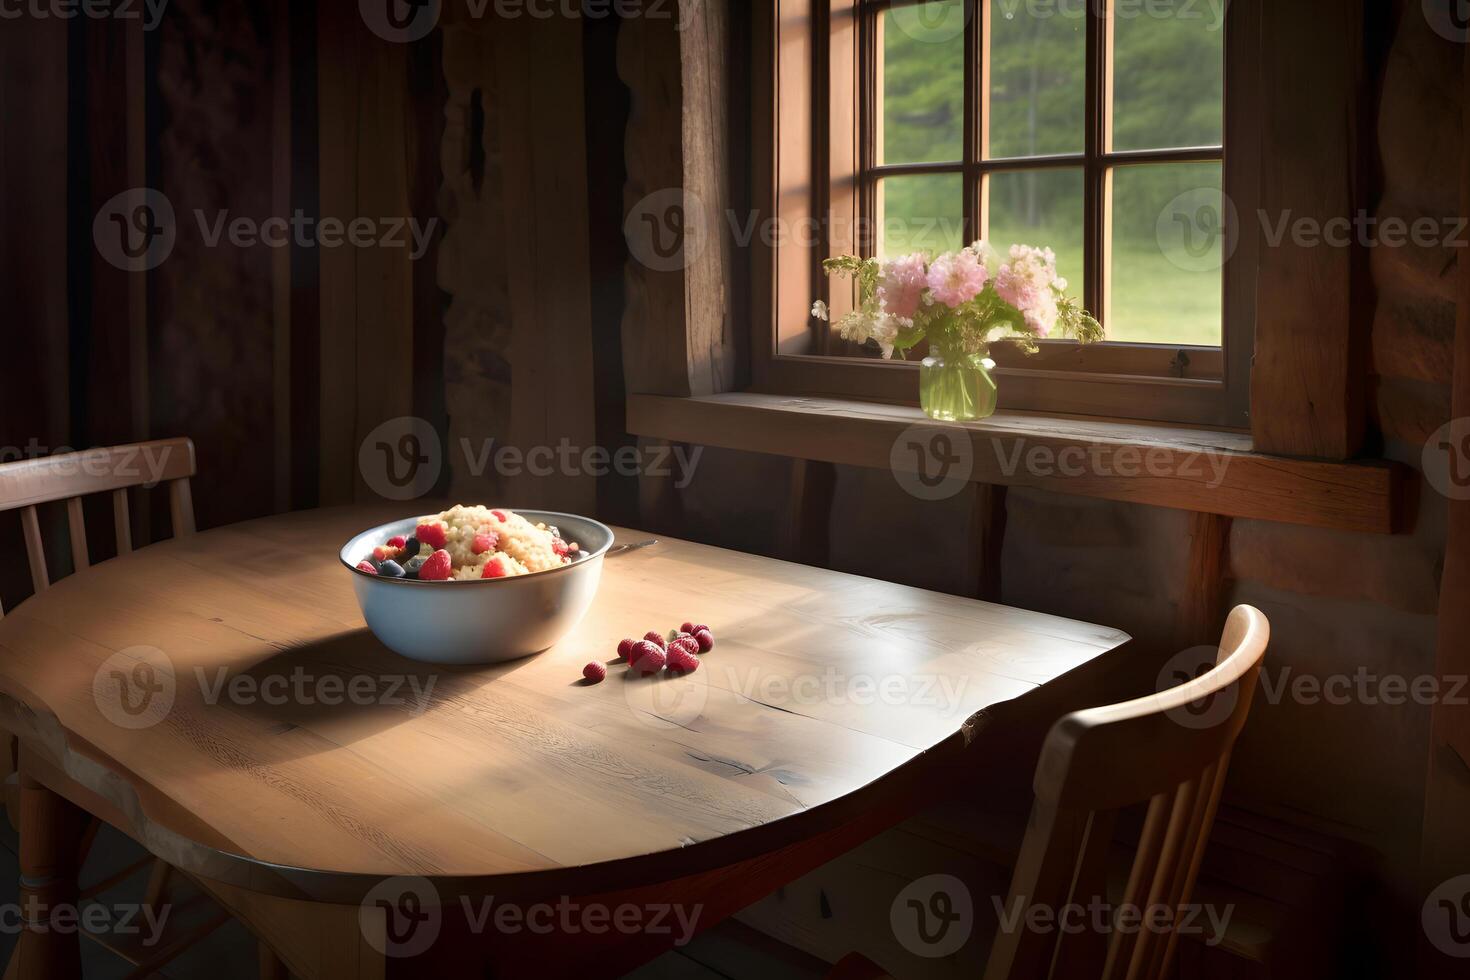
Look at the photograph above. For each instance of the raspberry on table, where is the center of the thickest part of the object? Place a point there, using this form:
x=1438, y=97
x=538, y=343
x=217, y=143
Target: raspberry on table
x=705, y=639
x=625, y=649
x=594, y=672
x=688, y=644
x=648, y=657
x=438, y=568
x=682, y=661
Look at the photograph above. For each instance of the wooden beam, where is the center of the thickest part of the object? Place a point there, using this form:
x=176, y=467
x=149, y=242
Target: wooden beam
x=1201, y=611
x=1307, y=382
x=987, y=539
x=367, y=305
x=1187, y=469
x=679, y=335
x=809, y=534
x=539, y=93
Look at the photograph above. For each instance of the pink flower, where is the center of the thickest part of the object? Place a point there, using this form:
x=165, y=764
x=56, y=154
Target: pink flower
x=901, y=285
x=1029, y=282
x=955, y=278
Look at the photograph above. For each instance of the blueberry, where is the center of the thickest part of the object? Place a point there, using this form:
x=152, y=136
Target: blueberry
x=411, y=570
x=411, y=547
x=377, y=565
x=391, y=569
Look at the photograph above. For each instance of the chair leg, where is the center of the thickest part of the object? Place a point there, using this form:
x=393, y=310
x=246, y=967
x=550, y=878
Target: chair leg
x=50, y=828
x=271, y=965
x=157, y=883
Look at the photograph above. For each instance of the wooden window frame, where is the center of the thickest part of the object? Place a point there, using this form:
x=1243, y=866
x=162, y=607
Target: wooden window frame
x=809, y=172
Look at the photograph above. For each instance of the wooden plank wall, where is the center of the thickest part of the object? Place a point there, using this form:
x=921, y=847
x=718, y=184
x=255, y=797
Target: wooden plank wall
x=1446, y=849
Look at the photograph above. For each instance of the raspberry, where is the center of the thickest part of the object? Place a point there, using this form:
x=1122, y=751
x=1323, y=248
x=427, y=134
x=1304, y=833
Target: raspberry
x=559, y=546
x=594, y=672
x=485, y=541
x=688, y=644
x=397, y=541
x=686, y=627
x=366, y=566
x=681, y=661
x=493, y=569
x=438, y=568
x=432, y=534
x=655, y=637
x=705, y=639
x=648, y=657
x=500, y=516
x=625, y=650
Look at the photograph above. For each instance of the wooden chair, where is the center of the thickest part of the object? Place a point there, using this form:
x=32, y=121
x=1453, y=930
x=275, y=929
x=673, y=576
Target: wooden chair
x=1170, y=750
x=29, y=483
x=72, y=476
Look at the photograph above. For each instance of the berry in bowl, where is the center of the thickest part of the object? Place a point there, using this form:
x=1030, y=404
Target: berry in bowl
x=476, y=585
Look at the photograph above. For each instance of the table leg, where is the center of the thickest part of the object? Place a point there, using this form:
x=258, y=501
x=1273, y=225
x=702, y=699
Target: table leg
x=50, y=828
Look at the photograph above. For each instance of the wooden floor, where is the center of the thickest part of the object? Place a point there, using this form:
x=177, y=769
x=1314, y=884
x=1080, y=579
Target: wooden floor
x=731, y=952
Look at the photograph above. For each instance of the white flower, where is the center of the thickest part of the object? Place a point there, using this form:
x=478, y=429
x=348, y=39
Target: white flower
x=819, y=310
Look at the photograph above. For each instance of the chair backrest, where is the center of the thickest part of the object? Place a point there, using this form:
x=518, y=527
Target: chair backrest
x=1169, y=749
x=72, y=476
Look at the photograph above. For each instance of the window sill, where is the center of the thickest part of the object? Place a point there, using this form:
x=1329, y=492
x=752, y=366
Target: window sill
x=1203, y=470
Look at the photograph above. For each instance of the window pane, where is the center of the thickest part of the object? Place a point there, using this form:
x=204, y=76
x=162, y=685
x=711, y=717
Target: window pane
x=1041, y=208
x=1038, y=62
x=1168, y=74
x=920, y=213
x=922, y=83
x=1171, y=233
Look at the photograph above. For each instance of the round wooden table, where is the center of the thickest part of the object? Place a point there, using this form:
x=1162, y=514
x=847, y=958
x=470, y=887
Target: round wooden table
x=218, y=698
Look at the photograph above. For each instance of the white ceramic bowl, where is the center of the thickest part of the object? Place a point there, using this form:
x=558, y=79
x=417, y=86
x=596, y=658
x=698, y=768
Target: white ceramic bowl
x=484, y=621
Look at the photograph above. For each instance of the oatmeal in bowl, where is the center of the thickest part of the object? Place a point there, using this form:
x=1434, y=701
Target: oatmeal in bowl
x=475, y=584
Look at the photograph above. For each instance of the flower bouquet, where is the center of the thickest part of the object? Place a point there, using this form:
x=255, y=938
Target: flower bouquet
x=961, y=302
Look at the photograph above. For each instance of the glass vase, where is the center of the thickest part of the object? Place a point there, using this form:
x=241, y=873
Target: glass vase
x=957, y=388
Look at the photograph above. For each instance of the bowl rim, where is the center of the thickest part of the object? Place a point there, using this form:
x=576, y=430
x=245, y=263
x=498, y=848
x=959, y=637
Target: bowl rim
x=505, y=580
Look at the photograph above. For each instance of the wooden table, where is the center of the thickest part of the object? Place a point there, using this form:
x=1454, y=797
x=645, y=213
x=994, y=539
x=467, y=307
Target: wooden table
x=273, y=750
